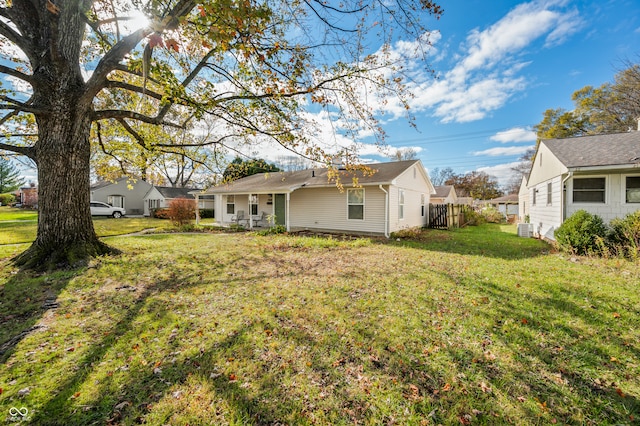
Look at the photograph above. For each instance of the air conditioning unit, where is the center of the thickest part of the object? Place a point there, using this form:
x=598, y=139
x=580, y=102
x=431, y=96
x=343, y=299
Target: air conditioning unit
x=525, y=230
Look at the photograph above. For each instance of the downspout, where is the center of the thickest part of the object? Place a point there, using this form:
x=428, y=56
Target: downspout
x=386, y=211
x=563, y=199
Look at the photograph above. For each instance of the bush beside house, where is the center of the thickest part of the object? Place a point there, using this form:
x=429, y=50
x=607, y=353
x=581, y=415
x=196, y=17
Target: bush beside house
x=586, y=234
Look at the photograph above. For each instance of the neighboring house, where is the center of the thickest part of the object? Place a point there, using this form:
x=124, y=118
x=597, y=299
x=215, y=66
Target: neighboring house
x=599, y=174
x=28, y=196
x=507, y=205
x=467, y=201
x=445, y=194
x=160, y=197
x=396, y=196
x=125, y=192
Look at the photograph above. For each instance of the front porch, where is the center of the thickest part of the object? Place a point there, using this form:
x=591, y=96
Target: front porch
x=256, y=210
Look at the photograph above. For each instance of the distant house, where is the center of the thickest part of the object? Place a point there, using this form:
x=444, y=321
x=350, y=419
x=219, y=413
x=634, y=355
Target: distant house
x=160, y=197
x=445, y=194
x=396, y=196
x=28, y=196
x=599, y=174
x=125, y=192
x=507, y=205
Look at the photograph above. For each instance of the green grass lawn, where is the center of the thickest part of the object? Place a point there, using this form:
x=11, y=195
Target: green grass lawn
x=24, y=231
x=10, y=213
x=474, y=326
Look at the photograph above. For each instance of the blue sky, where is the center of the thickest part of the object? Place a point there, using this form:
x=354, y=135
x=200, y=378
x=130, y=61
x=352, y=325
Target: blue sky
x=500, y=65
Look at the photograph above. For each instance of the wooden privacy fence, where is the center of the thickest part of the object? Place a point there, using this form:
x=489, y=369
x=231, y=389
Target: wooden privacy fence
x=445, y=216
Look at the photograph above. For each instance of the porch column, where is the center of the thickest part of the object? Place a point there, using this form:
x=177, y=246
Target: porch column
x=197, y=209
x=250, y=222
x=286, y=206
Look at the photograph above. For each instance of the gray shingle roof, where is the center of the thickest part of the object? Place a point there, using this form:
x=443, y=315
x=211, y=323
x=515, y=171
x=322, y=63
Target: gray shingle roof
x=442, y=190
x=169, y=192
x=290, y=181
x=599, y=150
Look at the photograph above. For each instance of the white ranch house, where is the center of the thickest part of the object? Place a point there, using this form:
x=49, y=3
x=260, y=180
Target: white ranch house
x=599, y=174
x=396, y=196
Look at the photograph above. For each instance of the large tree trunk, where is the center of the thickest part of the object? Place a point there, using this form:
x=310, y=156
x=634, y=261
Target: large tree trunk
x=65, y=229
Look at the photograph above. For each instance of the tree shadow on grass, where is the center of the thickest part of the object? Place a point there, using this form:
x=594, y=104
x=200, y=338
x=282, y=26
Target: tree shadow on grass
x=26, y=298
x=558, y=364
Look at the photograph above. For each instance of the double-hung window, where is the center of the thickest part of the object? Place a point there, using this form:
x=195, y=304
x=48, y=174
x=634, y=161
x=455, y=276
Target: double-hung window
x=589, y=190
x=355, y=203
x=549, y=193
x=632, y=189
x=231, y=204
x=254, y=204
x=401, y=204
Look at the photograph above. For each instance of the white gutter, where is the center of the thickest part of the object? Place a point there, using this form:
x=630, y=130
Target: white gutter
x=563, y=201
x=386, y=211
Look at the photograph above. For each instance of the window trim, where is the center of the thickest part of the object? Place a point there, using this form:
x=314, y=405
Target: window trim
x=624, y=189
x=255, y=204
x=232, y=204
x=604, y=190
x=349, y=204
x=423, y=198
x=549, y=193
x=401, y=203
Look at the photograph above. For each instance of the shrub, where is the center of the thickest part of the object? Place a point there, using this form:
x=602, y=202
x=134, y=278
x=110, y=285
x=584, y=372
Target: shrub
x=492, y=215
x=181, y=211
x=624, y=238
x=207, y=213
x=160, y=213
x=473, y=218
x=274, y=230
x=581, y=233
x=7, y=199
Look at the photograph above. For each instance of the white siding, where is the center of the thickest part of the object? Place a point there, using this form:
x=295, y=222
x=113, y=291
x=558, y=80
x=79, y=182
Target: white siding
x=545, y=166
x=153, y=194
x=413, y=182
x=546, y=218
x=326, y=209
x=614, y=206
x=523, y=201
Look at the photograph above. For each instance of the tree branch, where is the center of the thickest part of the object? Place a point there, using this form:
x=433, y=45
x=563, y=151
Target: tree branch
x=111, y=84
x=17, y=74
x=120, y=114
x=24, y=150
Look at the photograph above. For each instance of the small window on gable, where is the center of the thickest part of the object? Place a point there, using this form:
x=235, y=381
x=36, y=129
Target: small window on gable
x=355, y=203
x=632, y=189
x=589, y=190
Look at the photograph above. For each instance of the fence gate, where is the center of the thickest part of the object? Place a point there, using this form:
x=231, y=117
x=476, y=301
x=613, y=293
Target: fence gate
x=445, y=216
x=438, y=216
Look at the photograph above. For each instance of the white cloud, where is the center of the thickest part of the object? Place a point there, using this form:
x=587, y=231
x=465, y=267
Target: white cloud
x=500, y=151
x=516, y=134
x=502, y=172
x=487, y=71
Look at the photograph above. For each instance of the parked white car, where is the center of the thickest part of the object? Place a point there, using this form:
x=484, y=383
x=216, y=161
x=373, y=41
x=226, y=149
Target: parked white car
x=103, y=209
